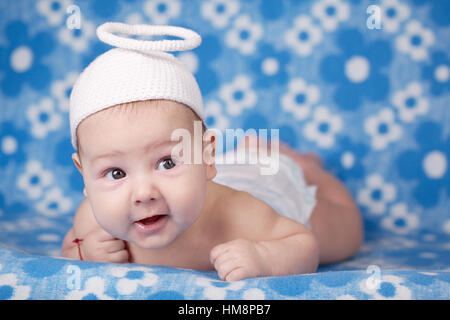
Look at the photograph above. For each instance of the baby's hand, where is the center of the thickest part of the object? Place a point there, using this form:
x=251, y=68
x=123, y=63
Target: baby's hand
x=100, y=246
x=239, y=259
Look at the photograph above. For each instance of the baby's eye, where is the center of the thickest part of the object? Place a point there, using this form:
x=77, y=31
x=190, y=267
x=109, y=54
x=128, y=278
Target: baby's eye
x=115, y=174
x=166, y=164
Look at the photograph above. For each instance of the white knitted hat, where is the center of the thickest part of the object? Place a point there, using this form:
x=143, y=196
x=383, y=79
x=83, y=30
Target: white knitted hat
x=136, y=70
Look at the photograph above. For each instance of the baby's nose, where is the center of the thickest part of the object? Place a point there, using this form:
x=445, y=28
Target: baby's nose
x=145, y=192
x=137, y=201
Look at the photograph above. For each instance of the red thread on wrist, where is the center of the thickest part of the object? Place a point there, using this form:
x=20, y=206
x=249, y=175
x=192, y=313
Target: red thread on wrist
x=78, y=241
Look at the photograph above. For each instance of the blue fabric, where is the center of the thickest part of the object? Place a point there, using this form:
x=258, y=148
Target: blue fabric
x=372, y=100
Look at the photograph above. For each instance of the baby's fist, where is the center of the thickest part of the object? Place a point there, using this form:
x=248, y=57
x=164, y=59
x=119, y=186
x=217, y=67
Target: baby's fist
x=239, y=259
x=100, y=246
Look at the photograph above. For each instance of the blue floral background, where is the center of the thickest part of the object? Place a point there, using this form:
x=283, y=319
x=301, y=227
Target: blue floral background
x=364, y=84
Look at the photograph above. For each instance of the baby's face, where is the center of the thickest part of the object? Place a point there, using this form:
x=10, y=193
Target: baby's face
x=131, y=178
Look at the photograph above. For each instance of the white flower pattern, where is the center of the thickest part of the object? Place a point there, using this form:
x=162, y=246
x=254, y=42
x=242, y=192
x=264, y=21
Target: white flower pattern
x=304, y=36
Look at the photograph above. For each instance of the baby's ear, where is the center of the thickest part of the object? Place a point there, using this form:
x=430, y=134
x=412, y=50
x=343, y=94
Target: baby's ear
x=77, y=161
x=211, y=171
x=209, y=152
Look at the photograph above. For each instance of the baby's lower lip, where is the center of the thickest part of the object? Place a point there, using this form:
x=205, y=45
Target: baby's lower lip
x=151, y=224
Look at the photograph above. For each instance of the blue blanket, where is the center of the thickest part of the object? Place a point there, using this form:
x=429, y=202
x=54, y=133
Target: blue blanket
x=388, y=268
x=364, y=84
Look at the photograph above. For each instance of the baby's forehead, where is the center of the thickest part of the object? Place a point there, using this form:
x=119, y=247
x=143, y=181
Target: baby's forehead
x=161, y=111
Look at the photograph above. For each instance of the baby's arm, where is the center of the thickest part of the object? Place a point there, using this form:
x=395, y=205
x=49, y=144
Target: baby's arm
x=274, y=246
x=97, y=244
x=295, y=253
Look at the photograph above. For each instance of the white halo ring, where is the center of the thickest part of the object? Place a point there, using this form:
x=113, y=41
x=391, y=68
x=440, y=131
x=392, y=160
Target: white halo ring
x=191, y=39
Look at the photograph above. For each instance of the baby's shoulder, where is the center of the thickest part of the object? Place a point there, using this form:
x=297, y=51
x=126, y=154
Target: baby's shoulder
x=253, y=219
x=247, y=216
x=243, y=200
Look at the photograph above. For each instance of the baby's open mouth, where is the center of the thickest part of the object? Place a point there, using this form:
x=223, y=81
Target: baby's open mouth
x=150, y=220
x=151, y=224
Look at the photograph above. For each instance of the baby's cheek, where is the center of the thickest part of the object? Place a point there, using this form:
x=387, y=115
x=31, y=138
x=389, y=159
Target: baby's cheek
x=195, y=202
x=186, y=207
x=110, y=216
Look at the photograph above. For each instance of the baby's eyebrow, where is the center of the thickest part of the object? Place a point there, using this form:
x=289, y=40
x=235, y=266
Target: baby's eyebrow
x=160, y=144
x=151, y=146
x=107, y=155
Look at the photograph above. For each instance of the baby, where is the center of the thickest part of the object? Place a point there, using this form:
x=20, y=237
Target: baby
x=144, y=204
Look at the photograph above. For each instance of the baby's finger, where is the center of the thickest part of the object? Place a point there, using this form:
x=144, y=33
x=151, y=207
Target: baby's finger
x=220, y=260
x=114, y=245
x=103, y=235
x=217, y=251
x=225, y=267
x=237, y=274
x=121, y=256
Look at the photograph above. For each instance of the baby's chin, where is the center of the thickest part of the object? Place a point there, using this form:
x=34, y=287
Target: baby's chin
x=147, y=244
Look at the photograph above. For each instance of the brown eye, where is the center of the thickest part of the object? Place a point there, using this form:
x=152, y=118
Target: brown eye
x=166, y=164
x=115, y=174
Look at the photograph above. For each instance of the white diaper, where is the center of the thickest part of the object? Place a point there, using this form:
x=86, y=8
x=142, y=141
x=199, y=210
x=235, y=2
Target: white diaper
x=286, y=191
